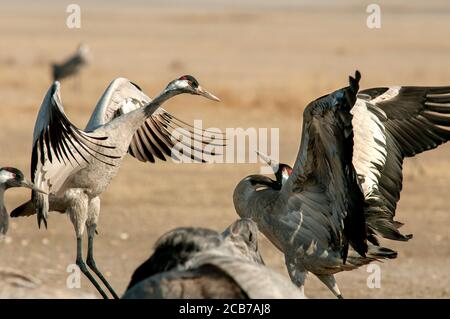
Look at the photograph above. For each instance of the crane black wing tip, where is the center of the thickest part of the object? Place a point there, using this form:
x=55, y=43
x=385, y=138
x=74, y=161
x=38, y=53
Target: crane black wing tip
x=55, y=87
x=356, y=78
x=26, y=209
x=354, y=81
x=42, y=219
x=136, y=86
x=379, y=253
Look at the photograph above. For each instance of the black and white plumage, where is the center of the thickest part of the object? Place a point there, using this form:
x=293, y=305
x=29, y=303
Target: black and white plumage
x=75, y=166
x=72, y=65
x=346, y=181
x=153, y=139
x=201, y=263
x=10, y=177
x=391, y=124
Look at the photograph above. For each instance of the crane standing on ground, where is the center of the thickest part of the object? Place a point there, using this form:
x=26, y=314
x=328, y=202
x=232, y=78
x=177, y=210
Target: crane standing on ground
x=75, y=167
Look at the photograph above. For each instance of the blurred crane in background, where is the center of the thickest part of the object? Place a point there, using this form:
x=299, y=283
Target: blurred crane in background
x=72, y=65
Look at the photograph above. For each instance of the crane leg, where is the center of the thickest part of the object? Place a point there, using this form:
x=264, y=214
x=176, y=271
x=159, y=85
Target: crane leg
x=80, y=263
x=91, y=224
x=331, y=283
x=91, y=262
x=77, y=208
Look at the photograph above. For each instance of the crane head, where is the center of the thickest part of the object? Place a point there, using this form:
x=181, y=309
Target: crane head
x=189, y=84
x=12, y=177
x=282, y=171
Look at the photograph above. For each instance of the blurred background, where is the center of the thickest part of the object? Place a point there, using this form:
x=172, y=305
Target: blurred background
x=265, y=60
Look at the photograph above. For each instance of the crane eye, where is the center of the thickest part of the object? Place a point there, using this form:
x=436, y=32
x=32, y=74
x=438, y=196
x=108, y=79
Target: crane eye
x=194, y=84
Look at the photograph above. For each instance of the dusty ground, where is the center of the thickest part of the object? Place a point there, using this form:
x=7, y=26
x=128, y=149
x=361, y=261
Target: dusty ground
x=266, y=62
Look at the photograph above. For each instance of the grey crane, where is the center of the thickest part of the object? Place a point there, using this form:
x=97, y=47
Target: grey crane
x=201, y=263
x=10, y=177
x=71, y=65
x=75, y=167
x=342, y=193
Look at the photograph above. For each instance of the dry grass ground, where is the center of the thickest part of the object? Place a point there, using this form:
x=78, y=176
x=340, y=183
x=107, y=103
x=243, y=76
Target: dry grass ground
x=265, y=62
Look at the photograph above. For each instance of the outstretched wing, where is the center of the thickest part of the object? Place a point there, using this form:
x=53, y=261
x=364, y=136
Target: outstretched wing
x=391, y=124
x=324, y=201
x=155, y=138
x=60, y=149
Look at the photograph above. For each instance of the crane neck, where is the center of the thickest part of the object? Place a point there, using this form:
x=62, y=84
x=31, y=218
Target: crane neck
x=123, y=127
x=4, y=218
x=250, y=201
x=159, y=100
x=2, y=195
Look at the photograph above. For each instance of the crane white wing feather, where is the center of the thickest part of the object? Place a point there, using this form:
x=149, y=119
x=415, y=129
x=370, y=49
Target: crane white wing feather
x=60, y=149
x=391, y=124
x=154, y=138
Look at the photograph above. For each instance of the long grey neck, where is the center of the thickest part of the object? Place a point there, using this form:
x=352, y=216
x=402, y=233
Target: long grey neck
x=2, y=196
x=143, y=113
x=4, y=218
x=264, y=207
x=250, y=203
x=122, y=128
x=160, y=100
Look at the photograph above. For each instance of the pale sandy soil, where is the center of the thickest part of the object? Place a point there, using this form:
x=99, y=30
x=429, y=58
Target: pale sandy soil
x=265, y=62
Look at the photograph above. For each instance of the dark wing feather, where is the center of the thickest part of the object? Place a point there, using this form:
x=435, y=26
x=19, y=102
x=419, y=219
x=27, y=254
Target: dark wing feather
x=155, y=138
x=323, y=187
x=415, y=119
x=58, y=142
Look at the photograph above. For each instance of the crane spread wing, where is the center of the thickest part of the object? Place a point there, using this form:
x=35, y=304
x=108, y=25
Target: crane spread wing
x=389, y=125
x=325, y=202
x=59, y=149
x=155, y=138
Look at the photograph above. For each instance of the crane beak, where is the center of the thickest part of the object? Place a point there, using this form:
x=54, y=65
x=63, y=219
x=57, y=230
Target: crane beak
x=28, y=184
x=201, y=91
x=268, y=160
